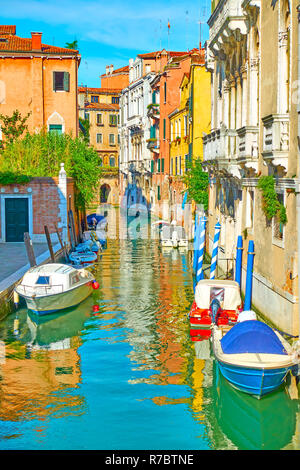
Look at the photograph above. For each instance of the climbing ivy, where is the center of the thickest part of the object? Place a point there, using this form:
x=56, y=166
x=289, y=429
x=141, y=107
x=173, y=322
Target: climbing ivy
x=271, y=205
x=197, y=183
x=9, y=177
x=40, y=154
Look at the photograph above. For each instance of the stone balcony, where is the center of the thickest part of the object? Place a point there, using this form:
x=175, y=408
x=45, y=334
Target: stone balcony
x=247, y=147
x=219, y=144
x=220, y=147
x=276, y=144
x=228, y=19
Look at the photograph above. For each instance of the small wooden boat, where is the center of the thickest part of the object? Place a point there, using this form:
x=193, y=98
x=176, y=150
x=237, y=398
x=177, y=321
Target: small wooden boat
x=83, y=259
x=87, y=246
x=216, y=301
x=253, y=357
x=54, y=287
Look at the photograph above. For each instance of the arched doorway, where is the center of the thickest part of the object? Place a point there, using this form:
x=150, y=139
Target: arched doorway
x=104, y=192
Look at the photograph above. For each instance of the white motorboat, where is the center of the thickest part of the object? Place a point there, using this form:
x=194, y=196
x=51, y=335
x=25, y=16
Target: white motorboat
x=173, y=236
x=53, y=287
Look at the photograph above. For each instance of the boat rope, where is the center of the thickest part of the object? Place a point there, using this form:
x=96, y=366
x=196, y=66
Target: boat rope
x=286, y=334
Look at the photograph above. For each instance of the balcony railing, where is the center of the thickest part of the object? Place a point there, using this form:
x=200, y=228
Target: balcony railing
x=227, y=17
x=276, y=139
x=247, y=146
x=219, y=145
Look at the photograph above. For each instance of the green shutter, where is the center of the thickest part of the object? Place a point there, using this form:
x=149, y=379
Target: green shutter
x=164, y=128
x=66, y=81
x=162, y=165
x=158, y=169
x=152, y=166
x=152, y=132
x=158, y=193
x=54, y=88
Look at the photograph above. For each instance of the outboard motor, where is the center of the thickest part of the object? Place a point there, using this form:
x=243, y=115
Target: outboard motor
x=215, y=306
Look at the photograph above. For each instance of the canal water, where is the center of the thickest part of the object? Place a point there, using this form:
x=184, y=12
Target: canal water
x=129, y=376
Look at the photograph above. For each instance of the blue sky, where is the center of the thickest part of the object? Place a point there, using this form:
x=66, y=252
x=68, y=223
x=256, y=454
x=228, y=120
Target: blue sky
x=109, y=32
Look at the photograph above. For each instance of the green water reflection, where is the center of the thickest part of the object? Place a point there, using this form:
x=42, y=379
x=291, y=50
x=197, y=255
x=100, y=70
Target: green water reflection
x=129, y=376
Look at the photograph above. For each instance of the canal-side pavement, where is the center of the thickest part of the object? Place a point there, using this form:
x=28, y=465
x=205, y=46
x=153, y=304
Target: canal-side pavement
x=14, y=262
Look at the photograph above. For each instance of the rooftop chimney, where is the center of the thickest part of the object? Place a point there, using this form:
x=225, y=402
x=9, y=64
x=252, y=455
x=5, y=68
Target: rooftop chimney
x=36, y=41
x=107, y=69
x=111, y=69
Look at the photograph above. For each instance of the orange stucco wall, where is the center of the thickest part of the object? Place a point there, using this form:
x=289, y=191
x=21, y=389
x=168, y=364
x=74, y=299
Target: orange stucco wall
x=26, y=84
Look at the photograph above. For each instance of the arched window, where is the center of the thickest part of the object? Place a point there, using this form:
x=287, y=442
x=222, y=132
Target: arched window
x=104, y=193
x=112, y=161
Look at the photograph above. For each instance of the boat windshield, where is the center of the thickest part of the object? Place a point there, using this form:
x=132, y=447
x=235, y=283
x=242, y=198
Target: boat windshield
x=42, y=280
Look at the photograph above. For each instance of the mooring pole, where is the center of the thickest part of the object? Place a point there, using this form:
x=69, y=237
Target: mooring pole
x=49, y=243
x=199, y=270
x=238, y=261
x=214, y=256
x=249, y=277
x=29, y=249
x=196, y=239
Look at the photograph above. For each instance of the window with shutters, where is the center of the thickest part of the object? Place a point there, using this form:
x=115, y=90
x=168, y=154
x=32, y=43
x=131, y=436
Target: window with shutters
x=61, y=81
x=99, y=119
x=113, y=119
x=99, y=138
x=55, y=129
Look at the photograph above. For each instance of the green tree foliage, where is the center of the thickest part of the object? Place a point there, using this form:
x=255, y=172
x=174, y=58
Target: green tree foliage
x=270, y=204
x=72, y=45
x=86, y=133
x=13, y=126
x=197, y=183
x=41, y=155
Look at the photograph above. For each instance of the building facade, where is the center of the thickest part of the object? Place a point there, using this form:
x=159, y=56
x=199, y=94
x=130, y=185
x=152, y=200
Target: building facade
x=184, y=95
x=254, y=135
x=39, y=79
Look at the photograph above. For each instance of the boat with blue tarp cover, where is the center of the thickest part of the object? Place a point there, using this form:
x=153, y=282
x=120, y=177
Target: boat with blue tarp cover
x=253, y=357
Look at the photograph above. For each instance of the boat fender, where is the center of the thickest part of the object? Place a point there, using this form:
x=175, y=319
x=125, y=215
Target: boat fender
x=95, y=285
x=96, y=308
x=16, y=326
x=16, y=299
x=246, y=315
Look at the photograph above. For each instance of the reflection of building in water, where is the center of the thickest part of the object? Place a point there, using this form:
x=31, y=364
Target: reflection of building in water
x=42, y=367
x=29, y=385
x=157, y=318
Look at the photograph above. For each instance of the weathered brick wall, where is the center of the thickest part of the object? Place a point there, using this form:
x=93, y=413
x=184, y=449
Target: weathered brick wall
x=44, y=200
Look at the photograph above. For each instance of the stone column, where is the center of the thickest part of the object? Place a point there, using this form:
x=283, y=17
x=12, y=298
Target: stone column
x=226, y=90
x=254, y=92
x=232, y=114
x=238, y=123
x=244, y=95
x=283, y=72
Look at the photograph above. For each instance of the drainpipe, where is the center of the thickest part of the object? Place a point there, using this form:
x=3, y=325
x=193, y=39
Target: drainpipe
x=298, y=180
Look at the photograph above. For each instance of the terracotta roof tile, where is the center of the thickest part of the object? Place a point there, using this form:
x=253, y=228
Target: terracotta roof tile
x=18, y=44
x=7, y=29
x=101, y=91
x=102, y=106
x=153, y=55
x=120, y=70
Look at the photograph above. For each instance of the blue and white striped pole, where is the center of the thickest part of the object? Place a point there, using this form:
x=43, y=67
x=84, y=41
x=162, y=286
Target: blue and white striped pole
x=196, y=241
x=238, y=261
x=249, y=276
x=214, y=256
x=199, y=271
